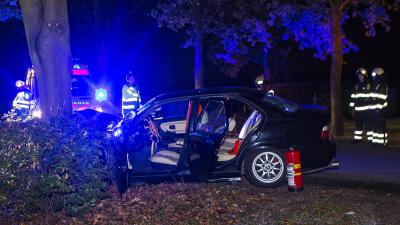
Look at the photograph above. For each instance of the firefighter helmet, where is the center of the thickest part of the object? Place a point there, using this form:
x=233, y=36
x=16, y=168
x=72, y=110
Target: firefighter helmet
x=377, y=71
x=260, y=80
x=361, y=71
x=19, y=83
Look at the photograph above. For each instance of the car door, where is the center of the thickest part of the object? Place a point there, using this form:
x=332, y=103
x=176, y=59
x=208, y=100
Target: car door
x=209, y=129
x=171, y=120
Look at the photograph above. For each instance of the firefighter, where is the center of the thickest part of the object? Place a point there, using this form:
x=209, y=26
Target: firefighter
x=131, y=100
x=378, y=96
x=359, y=103
x=263, y=84
x=23, y=102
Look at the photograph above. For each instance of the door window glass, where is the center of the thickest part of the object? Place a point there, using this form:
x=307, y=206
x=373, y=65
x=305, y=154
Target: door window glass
x=212, y=118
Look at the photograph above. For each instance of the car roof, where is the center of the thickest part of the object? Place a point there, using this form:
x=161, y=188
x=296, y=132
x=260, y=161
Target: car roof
x=211, y=91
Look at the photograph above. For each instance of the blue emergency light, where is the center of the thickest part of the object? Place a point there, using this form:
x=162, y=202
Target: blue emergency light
x=101, y=94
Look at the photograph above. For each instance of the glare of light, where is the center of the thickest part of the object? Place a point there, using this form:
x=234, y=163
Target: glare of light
x=99, y=109
x=373, y=74
x=37, y=113
x=27, y=96
x=117, y=133
x=101, y=94
x=260, y=82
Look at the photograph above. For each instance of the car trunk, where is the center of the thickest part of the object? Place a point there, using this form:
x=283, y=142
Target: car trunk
x=315, y=150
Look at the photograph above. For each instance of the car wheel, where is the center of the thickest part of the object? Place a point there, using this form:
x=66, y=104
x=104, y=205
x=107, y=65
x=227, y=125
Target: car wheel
x=265, y=168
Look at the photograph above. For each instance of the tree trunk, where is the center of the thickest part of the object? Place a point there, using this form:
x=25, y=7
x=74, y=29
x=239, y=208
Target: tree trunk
x=336, y=71
x=198, y=59
x=47, y=32
x=266, y=68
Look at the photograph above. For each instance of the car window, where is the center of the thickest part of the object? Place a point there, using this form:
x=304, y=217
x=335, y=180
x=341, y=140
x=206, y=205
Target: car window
x=212, y=118
x=171, y=110
x=281, y=103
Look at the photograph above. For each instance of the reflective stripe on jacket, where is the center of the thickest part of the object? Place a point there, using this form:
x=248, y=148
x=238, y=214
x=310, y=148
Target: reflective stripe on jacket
x=130, y=97
x=360, y=96
x=20, y=102
x=378, y=94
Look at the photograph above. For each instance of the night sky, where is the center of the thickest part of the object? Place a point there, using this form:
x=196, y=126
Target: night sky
x=161, y=64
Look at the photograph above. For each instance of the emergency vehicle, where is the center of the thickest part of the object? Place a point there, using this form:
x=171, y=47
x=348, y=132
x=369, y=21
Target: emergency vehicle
x=83, y=91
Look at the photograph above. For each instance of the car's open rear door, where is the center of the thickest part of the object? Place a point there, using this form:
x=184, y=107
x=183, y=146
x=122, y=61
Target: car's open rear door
x=205, y=138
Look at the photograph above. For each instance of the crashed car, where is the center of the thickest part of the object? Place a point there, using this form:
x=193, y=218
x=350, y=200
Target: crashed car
x=220, y=134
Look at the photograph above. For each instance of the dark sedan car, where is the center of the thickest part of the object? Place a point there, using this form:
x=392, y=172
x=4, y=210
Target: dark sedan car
x=220, y=133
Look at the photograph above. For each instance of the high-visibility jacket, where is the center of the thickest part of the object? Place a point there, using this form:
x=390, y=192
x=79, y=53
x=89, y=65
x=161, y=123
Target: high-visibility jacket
x=20, y=102
x=378, y=95
x=131, y=100
x=360, y=97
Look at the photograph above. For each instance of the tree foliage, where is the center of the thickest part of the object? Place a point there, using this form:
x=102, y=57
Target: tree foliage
x=196, y=18
x=9, y=10
x=309, y=23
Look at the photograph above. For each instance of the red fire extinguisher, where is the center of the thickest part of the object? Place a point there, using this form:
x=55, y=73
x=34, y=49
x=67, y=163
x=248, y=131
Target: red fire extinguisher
x=293, y=169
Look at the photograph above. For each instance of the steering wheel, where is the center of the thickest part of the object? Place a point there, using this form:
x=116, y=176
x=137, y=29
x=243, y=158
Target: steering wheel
x=152, y=130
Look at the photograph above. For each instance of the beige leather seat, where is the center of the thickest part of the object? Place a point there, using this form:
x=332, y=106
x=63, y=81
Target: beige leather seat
x=165, y=157
x=227, y=144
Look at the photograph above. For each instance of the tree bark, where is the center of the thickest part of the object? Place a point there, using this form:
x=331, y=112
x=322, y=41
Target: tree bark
x=198, y=59
x=47, y=32
x=266, y=68
x=336, y=71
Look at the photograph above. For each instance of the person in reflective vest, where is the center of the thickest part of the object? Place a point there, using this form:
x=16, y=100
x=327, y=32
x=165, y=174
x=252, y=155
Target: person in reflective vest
x=378, y=95
x=360, y=104
x=131, y=100
x=22, y=103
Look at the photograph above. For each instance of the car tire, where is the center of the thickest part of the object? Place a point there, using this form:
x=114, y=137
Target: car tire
x=265, y=168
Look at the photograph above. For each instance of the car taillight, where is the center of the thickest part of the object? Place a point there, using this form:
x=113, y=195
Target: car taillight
x=325, y=133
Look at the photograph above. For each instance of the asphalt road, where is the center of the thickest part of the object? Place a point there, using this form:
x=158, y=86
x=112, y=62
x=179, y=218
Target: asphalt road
x=364, y=163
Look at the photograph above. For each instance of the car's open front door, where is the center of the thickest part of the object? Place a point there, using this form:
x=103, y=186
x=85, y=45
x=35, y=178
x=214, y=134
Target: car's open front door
x=204, y=140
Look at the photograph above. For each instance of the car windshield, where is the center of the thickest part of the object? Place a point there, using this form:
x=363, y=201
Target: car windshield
x=146, y=106
x=281, y=103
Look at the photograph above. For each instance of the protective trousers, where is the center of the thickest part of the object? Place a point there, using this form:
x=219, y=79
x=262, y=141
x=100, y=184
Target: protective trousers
x=380, y=134
x=362, y=123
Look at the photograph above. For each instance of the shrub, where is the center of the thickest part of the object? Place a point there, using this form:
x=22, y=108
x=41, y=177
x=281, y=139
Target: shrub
x=53, y=165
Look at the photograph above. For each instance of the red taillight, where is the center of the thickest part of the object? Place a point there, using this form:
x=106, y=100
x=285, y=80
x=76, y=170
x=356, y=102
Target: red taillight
x=325, y=133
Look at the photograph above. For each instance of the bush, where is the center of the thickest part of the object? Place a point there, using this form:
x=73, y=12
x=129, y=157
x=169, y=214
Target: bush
x=53, y=165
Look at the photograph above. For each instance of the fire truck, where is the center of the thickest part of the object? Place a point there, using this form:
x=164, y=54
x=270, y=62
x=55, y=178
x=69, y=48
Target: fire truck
x=84, y=93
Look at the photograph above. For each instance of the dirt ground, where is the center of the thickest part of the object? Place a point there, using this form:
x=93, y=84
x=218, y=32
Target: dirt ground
x=324, y=201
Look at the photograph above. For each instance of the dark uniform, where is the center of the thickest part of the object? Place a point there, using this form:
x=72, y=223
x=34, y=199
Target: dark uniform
x=264, y=85
x=378, y=103
x=360, y=104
